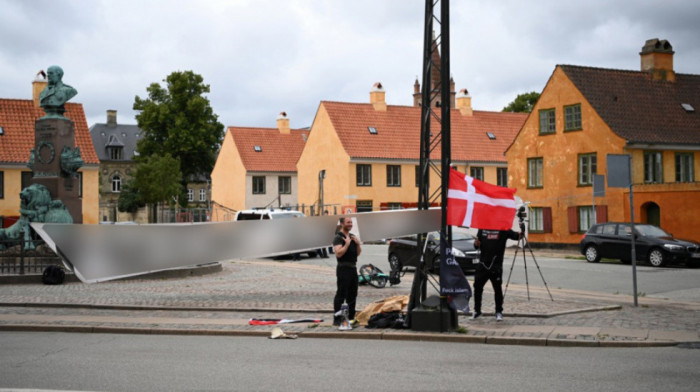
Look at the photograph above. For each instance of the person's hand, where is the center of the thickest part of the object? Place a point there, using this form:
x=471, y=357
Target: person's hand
x=348, y=239
x=357, y=240
x=477, y=243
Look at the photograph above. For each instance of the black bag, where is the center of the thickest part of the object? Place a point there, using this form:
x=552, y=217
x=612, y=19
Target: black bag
x=394, y=277
x=386, y=320
x=53, y=274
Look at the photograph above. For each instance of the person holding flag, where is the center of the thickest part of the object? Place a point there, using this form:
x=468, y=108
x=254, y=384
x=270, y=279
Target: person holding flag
x=491, y=209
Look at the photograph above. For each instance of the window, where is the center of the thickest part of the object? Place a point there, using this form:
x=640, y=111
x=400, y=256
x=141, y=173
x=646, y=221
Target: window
x=587, y=167
x=534, y=173
x=372, y=130
x=364, y=175
x=393, y=175
x=572, y=117
x=190, y=194
x=609, y=229
x=536, y=220
x=502, y=176
x=115, y=153
x=547, y=121
x=684, y=167
x=491, y=135
x=257, y=148
x=202, y=194
x=116, y=183
x=417, y=175
x=2, y=185
x=585, y=218
x=477, y=172
x=258, y=185
x=652, y=167
x=285, y=185
x=364, y=205
x=80, y=184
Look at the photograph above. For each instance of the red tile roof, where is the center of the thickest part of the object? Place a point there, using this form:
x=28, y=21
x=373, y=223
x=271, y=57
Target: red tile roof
x=398, y=132
x=279, y=152
x=640, y=109
x=17, y=117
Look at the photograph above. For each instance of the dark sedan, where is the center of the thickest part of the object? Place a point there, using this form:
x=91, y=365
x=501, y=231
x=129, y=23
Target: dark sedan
x=614, y=241
x=403, y=252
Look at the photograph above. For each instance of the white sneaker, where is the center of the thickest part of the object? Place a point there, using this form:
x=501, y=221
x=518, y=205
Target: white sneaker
x=475, y=315
x=499, y=317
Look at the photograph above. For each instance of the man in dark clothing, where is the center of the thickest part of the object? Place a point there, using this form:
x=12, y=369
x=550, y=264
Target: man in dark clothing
x=347, y=247
x=492, y=244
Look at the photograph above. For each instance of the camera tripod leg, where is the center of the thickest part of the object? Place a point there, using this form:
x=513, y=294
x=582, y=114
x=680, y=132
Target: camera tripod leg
x=527, y=243
x=511, y=272
x=527, y=282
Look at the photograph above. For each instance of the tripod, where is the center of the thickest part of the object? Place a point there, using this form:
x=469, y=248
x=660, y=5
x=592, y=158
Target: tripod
x=524, y=243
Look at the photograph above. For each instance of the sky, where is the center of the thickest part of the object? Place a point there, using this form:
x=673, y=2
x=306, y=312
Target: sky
x=262, y=57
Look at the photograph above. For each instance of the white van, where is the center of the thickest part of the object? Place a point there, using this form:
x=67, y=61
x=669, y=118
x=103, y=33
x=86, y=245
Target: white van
x=261, y=214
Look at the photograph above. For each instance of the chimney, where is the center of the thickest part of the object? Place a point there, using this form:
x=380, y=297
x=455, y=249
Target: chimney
x=464, y=102
x=377, y=97
x=657, y=59
x=111, y=118
x=452, y=93
x=283, y=123
x=38, y=85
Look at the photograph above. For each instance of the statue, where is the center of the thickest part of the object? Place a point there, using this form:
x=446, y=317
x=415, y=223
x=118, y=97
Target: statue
x=35, y=206
x=70, y=161
x=56, y=94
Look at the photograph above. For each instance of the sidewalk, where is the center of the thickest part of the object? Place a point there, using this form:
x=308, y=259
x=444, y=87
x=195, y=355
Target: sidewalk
x=221, y=303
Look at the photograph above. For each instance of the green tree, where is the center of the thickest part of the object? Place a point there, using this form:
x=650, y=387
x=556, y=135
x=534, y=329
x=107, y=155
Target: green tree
x=523, y=103
x=157, y=179
x=178, y=120
x=130, y=199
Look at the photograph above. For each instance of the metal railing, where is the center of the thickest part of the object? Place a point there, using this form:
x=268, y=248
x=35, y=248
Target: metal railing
x=16, y=258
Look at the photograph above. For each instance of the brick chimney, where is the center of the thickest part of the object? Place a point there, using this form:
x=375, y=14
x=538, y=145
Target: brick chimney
x=38, y=85
x=464, y=102
x=657, y=59
x=111, y=118
x=377, y=97
x=283, y=123
x=417, y=95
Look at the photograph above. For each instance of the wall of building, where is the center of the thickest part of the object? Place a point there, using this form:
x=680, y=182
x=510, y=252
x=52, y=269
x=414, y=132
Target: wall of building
x=228, y=180
x=323, y=151
x=9, y=203
x=91, y=194
x=271, y=195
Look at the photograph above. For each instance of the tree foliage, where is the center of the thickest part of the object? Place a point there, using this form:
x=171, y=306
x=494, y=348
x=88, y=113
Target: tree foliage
x=130, y=199
x=178, y=120
x=523, y=103
x=157, y=178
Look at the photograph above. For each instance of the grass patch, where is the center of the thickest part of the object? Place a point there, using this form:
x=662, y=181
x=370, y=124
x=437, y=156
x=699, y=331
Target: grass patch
x=462, y=329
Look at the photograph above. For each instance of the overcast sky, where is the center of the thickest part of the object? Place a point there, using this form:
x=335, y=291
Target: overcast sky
x=261, y=57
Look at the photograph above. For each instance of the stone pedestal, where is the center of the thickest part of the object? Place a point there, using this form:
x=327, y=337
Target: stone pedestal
x=51, y=135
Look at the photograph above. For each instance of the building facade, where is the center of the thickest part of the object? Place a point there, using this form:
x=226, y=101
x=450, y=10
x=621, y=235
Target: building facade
x=585, y=114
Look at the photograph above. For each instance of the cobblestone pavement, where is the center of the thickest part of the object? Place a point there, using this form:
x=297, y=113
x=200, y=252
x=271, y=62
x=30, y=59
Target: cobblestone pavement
x=223, y=302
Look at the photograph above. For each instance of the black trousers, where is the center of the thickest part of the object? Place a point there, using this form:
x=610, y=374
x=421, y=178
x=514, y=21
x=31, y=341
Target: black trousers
x=483, y=275
x=347, y=289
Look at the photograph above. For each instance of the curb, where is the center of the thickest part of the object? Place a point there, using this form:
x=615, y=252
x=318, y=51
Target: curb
x=357, y=335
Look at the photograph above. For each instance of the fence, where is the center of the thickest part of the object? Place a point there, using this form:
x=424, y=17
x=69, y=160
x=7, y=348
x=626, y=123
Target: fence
x=16, y=260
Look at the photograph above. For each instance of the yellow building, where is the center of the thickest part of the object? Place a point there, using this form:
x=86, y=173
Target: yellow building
x=17, y=118
x=370, y=152
x=583, y=115
x=256, y=168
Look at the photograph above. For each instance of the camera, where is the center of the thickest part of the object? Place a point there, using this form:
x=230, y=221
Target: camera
x=521, y=213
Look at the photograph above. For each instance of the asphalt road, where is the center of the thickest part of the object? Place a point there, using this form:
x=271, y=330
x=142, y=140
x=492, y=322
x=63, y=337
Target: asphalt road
x=677, y=283
x=96, y=362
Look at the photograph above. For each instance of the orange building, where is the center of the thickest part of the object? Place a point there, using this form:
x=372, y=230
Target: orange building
x=17, y=118
x=370, y=151
x=256, y=168
x=583, y=115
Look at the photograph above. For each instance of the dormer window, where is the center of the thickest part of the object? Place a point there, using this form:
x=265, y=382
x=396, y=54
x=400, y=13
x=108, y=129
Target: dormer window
x=115, y=153
x=372, y=130
x=688, y=107
x=491, y=135
x=257, y=149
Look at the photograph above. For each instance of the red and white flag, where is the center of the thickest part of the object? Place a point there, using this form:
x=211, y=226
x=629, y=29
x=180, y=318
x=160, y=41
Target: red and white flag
x=477, y=204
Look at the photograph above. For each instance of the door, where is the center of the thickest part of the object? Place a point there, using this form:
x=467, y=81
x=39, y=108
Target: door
x=653, y=214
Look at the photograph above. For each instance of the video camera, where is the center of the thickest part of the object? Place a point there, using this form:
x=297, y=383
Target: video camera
x=522, y=215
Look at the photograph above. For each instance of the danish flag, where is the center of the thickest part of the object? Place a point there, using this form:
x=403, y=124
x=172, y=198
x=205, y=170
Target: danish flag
x=477, y=204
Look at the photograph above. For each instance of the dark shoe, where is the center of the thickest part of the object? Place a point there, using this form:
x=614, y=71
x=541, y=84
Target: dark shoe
x=475, y=315
x=337, y=320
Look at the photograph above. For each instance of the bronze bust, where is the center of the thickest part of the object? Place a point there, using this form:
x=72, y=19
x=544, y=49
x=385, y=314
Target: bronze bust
x=56, y=94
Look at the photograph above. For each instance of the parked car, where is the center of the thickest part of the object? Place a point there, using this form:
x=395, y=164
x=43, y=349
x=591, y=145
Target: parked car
x=271, y=213
x=614, y=241
x=403, y=252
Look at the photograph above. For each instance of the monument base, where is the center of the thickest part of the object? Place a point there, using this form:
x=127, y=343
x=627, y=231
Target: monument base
x=434, y=318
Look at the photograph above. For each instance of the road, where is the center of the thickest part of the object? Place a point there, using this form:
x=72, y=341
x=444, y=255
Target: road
x=677, y=283
x=104, y=362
